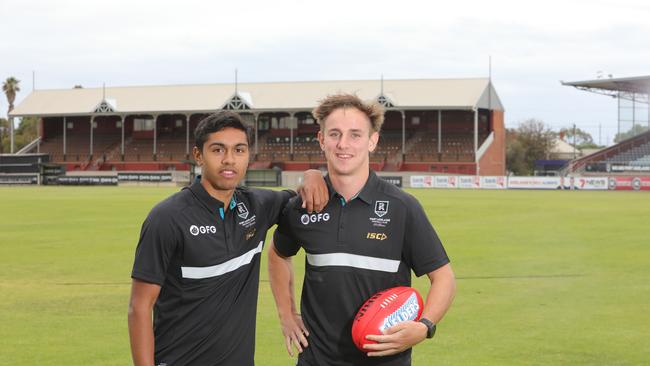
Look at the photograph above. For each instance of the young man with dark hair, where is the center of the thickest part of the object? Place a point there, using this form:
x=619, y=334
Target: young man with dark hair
x=198, y=258
x=368, y=238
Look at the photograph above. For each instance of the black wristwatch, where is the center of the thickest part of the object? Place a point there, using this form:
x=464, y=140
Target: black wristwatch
x=431, y=328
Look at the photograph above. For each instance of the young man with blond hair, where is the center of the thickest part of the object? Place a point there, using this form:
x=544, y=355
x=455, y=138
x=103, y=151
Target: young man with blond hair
x=368, y=238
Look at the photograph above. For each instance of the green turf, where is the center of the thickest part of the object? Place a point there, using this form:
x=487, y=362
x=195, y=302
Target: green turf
x=544, y=278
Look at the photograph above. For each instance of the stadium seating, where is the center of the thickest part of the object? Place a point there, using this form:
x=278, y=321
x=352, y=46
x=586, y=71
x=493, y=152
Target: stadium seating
x=274, y=147
x=639, y=156
x=633, y=152
x=78, y=146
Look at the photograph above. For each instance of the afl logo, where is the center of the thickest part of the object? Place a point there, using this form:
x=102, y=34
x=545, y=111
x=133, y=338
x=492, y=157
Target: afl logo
x=306, y=219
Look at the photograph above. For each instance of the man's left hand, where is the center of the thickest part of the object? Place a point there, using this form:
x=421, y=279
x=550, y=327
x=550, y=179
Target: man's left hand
x=396, y=339
x=313, y=191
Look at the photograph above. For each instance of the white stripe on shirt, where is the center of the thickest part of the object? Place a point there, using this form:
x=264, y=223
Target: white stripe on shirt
x=223, y=268
x=353, y=260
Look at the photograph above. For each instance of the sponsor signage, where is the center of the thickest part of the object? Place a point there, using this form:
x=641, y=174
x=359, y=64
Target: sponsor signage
x=534, y=183
x=144, y=177
x=442, y=181
x=421, y=181
x=22, y=179
x=629, y=183
x=499, y=182
x=468, y=181
x=393, y=180
x=586, y=183
x=630, y=168
x=493, y=182
x=86, y=180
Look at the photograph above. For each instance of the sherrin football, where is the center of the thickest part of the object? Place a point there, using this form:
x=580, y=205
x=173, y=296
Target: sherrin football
x=383, y=310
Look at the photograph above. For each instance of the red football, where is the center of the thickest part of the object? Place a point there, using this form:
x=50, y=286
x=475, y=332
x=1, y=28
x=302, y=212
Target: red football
x=383, y=310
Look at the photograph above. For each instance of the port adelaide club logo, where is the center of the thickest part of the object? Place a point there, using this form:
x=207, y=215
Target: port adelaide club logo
x=242, y=210
x=381, y=210
x=243, y=213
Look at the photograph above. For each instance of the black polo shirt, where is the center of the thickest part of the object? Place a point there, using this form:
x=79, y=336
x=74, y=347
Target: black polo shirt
x=207, y=262
x=353, y=250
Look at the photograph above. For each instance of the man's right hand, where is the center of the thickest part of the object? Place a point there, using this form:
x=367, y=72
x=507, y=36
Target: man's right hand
x=295, y=332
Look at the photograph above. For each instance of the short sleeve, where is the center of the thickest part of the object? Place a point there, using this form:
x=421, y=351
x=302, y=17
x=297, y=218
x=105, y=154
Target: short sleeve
x=272, y=202
x=156, y=247
x=283, y=238
x=280, y=201
x=423, y=250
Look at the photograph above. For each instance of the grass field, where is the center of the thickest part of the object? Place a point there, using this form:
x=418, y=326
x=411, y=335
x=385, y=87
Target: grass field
x=544, y=278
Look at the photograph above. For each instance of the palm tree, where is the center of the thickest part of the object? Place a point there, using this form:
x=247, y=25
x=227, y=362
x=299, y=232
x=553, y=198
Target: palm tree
x=10, y=87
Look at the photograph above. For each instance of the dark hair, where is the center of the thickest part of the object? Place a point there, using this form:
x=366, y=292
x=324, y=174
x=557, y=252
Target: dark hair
x=217, y=122
x=373, y=110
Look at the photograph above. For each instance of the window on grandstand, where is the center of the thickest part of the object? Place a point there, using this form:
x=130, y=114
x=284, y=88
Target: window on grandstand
x=308, y=120
x=263, y=123
x=286, y=122
x=415, y=120
x=140, y=124
x=179, y=123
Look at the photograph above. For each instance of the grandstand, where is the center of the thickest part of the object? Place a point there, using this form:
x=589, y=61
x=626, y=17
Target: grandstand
x=632, y=154
x=450, y=126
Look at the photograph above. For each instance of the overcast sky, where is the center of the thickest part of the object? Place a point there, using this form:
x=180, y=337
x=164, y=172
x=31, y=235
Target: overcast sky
x=533, y=46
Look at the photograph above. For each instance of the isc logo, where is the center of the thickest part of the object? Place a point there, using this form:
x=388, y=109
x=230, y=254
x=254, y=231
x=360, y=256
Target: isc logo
x=377, y=236
x=196, y=230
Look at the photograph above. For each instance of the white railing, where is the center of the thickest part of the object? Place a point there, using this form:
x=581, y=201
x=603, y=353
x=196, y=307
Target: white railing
x=29, y=147
x=484, y=146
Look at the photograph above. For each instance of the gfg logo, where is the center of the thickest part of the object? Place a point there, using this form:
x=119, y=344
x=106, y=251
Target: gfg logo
x=313, y=218
x=196, y=230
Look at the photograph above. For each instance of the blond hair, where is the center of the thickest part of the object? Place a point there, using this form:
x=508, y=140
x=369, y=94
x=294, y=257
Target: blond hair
x=373, y=110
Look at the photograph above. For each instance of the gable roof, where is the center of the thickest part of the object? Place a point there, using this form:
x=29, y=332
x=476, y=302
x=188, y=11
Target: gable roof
x=273, y=96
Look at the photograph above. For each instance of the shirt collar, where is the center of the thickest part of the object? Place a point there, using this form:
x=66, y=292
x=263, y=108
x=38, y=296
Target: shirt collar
x=209, y=202
x=365, y=194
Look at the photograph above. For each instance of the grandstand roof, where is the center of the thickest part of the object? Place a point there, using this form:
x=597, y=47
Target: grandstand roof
x=637, y=84
x=273, y=96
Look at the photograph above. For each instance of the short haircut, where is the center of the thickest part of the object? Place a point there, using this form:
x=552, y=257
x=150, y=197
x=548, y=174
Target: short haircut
x=217, y=122
x=373, y=110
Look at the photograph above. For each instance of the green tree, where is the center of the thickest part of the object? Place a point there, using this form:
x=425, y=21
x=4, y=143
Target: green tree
x=4, y=135
x=635, y=130
x=11, y=87
x=25, y=133
x=583, y=139
x=532, y=140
